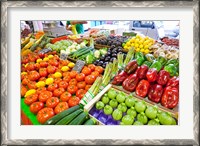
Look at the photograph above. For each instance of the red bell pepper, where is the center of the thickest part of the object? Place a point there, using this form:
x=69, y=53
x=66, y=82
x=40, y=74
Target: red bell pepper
x=58, y=39
x=155, y=93
x=152, y=74
x=141, y=71
x=170, y=97
x=130, y=83
x=118, y=79
x=163, y=77
x=142, y=88
x=131, y=67
x=173, y=82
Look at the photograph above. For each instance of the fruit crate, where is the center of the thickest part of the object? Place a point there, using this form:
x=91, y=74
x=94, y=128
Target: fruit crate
x=91, y=105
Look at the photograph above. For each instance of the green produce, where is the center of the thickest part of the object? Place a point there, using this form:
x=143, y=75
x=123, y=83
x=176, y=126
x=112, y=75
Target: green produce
x=113, y=103
x=162, y=60
x=90, y=58
x=140, y=106
x=150, y=57
x=157, y=65
x=140, y=58
x=132, y=112
x=153, y=122
x=112, y=93
x=80, y=119
x=173, y=122
x=105, y=99
x=122, y=107
x=138, y=123
x=99, y=105
x=66, y=120
x=127, y=120
x=103, y=51
x=117, y=114
x=175, y=62
x=97, y=54
x=142, y=118
x=90, y=121
x=121, y=97
x=148, y=63
x=171, y=68
x=108, y=110
x=165, y=118
x=130, y=101
x=151, y=112
x=61, y=115
x=129, y=56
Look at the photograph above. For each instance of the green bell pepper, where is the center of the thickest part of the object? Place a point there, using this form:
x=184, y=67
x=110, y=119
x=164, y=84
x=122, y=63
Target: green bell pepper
x=173, y=61
x=139, y=56
x=162, y=60
x=157, y=65
x=148, y=63
x=171, y=68
x=150, y=57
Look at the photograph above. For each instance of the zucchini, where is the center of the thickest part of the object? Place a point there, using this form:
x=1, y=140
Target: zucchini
x=69, y=118
x=90, y=121
x=61, y=115
x=80, y=119
x=34, y=46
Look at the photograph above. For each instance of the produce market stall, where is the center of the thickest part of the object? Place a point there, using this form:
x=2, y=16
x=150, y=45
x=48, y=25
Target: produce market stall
x=99, y=78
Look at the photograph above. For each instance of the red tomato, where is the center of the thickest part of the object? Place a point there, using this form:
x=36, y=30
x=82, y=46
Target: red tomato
x=65, y=96
x=73, y=74
x=95, y=73
x=61, y=107
x=72, y=89
x=52, y=87
x=44, y=95
x=23, y=90
x=41, y=55
x=67, y=79
x=81, y=85
x=56, y=57
x=86, y=71
x=53, y=62
x=40, y=89
x=51, y=69
x=52, y=102
x=87, y=87
x=58, y=92
x=51, y=76
x=57, y=80
x=66, y=74
x=63, y=84
x=33, y=75
x=31, y=58
x=25, y=81
x=42, y=79
x=80, y=93
x=44, y=114
x=64, y=62
x=37, y=66
x=73, y=82
x=30, y=99
x=23, y=76
x=80, y=77
x=92, y=67
x=99, y=69
x=25, y=60
x=90, y=79
x=36, y=106
x=73, y=101
x=43, y=64
x=30, y=66
x=32, y=85
x=43, y=72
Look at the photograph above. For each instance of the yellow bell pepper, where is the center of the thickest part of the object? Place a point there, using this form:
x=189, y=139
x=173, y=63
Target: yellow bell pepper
x=40, y=84
x=50, y=56
x=57, y=75
x=46, y=59
x=30, y=92
x=65, y=68
x=39, y=60
x=49, y=81
x=71, y=64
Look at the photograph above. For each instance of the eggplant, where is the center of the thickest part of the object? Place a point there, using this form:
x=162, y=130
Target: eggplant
x=107, y=58
x=112, y=59
x=114, y=55
x=109, y=53
x=102, y=117
x=102, y=58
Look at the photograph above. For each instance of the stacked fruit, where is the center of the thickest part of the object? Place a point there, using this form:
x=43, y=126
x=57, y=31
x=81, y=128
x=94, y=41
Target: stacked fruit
x=50, y=86
x=115, y=107
x=140, y=43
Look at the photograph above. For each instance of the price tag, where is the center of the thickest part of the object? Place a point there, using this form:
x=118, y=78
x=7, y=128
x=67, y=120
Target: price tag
x=44, y=51
x=79, y=65
x=63, y=56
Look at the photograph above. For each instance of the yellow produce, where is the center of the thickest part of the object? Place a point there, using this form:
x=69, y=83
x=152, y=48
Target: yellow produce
x=30, y=92
x=40, y=84
x=39, y=60
x=46, y=59
x=26, y=65
x=57, y=75
x=137, y=49
x=23, y=73
x=141, y=46
x=25, y=52
x=146, y=51
x=71, y=64
x=65, y=68
x=49, y=81
x=50, y=56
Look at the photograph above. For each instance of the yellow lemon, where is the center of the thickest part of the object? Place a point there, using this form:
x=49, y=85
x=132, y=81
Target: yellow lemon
x=39, y=60
x=146, y=51
x=40, y=84
x=71, y=64
x=57, y=75
x=65, y=68
x=46, y=59
x=146, y=47
x=30, y=92
x=132, y=45
x=142, y=50
x=137, y=49
x=136, y=45
x=141, y=46
x=50, y=56
x=137, y=40
x=49, y=81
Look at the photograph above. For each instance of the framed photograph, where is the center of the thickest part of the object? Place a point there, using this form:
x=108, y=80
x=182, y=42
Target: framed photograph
x=135, y=25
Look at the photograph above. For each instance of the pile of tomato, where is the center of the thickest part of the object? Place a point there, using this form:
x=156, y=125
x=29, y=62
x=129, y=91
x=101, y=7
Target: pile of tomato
x=49, y=85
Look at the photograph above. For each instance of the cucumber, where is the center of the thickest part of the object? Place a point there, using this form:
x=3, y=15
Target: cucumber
x=90, y=121
x=80, y=119
x=69, y=118
x=61, y=115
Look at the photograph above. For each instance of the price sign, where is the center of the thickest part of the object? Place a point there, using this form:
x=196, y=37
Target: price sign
x=63, y=56
x=44, y=51
x=79, y=65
